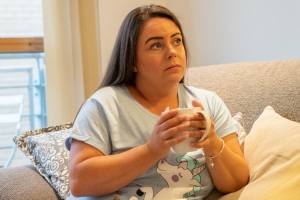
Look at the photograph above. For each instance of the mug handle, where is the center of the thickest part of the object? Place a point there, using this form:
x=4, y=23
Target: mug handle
x=208, y=124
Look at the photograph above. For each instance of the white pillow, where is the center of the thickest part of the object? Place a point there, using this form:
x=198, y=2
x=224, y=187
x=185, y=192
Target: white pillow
x=272, y=150
x=241, y=134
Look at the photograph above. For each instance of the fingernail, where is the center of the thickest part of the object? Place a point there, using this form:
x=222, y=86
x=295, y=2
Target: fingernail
x=186, y=133
x=188, y=117
x=186, y=123
x=166, y=110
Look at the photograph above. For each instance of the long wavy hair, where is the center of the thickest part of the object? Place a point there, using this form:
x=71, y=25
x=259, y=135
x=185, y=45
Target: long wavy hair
x=123, y=57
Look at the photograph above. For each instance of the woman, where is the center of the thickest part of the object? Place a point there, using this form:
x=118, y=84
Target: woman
x=120, y=147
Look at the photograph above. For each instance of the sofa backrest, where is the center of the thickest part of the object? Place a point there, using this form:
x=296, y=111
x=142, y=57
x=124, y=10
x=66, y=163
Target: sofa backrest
x=251, y=86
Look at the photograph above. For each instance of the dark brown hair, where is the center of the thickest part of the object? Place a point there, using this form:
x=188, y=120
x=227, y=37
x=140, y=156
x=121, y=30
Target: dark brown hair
x=123, y=57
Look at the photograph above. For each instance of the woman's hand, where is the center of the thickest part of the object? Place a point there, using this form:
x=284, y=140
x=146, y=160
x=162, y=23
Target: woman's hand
x=211, y=143
x=168, y=125
x=229, y=169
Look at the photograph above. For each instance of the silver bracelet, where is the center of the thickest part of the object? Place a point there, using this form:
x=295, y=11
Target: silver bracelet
x=211, y=157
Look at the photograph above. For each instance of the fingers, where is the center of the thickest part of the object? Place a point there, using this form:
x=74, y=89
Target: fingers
x=168, y=131
x=208, y=140
x=178, y=139
x=177, y=131
x=170, y=119
x=172, y=128
x=198, y=121
x=197, y=104
x=170, y=124
x=196, y=133
x=167, y=114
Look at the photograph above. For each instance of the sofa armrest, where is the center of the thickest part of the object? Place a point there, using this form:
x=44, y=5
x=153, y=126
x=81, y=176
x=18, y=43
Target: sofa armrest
x=24, y=182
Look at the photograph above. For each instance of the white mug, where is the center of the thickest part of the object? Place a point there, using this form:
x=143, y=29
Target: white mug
x=184, y=146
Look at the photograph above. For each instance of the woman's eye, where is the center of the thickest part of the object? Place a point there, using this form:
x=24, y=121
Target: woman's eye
x=155, y=46
x=177, y=42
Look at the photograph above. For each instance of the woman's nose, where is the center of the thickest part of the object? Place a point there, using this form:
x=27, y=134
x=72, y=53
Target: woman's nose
x=171, y=52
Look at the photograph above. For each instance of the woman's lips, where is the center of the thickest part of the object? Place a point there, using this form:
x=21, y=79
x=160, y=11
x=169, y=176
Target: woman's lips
x=173, y=66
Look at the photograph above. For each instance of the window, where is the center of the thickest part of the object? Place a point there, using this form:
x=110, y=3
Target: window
x=22, y=67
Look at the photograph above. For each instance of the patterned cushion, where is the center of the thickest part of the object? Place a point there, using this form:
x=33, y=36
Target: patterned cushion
x=46, y=150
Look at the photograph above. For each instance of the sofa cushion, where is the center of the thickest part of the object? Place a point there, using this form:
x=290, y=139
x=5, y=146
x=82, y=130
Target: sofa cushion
x=46, y=150
x=249, y=87
x=272, y=152
x=24, y=182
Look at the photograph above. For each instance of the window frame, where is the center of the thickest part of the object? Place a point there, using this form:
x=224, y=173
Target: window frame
x=24, y=45
x=21, y=45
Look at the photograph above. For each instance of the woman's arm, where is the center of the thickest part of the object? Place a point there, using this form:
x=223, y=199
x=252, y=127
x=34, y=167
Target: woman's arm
x=94, y=174
x=91, y=173
x=230, y=170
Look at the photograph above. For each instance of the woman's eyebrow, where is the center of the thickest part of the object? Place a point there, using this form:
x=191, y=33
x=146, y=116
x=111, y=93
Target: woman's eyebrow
x=154, y=38
x=160, y=37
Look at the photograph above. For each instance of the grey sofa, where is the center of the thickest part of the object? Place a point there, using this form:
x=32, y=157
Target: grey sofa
x=245, y=87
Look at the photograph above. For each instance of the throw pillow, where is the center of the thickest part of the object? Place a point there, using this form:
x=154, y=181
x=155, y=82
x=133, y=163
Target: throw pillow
x=272, y=152
x=241, y=134
x=46, y=150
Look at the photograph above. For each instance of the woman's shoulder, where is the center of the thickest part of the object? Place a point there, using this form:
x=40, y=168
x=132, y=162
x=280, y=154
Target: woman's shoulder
x=108, y=95
x=109, y=92
x=198, y=91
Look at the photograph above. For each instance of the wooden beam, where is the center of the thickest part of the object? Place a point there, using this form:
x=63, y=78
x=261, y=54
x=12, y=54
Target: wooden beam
x=14, y=45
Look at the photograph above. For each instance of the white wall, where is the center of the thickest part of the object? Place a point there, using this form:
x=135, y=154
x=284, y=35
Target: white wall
x=250, y=30
x=219, y=31
x=111, y=15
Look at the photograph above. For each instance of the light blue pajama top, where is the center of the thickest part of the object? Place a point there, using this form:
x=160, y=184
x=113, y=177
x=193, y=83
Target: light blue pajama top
x=112, y=121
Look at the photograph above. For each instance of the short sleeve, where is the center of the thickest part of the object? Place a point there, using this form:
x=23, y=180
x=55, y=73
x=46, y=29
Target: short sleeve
x=91, y=127
x=223, y=121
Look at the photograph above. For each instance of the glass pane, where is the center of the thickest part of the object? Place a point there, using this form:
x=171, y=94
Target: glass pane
x=22, y=74
x=21, y=18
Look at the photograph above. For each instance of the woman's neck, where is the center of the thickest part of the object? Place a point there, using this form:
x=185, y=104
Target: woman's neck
x=155, y=100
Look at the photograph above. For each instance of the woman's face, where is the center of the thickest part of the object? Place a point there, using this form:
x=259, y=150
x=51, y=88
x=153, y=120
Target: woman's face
x=161, y=55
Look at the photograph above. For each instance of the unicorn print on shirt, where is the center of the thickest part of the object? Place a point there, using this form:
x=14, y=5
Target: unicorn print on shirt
x=183, y=180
